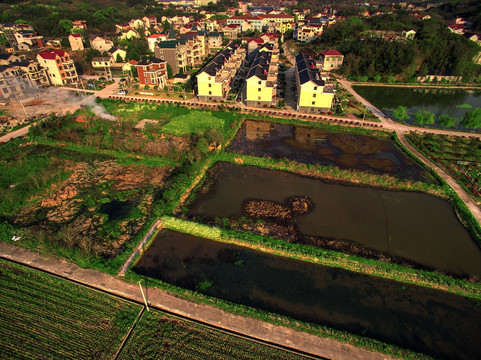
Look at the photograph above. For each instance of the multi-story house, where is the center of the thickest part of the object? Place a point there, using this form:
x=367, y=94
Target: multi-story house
x=100, y=44
x=9, y=30
x=309, y=33
x=261, y=81
x=256, y=21
x=102, y=65
x=154, y=39
x=331, y=60
x=277, y=19
x=19, y=77
x=193, y=46
x=215, y=39
x=152, y=72
x=315, y=94
x=60, y=68
x=149, y=21
x=214, y=81
x=76, y=42
x=232, y=31
x=27, y=39
x=6, y=59
x=173, y=53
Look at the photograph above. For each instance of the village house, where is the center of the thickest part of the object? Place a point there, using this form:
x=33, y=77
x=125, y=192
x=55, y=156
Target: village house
x=103, y=66
x=173, y=53
x=18, y=77
x=261, y=81
x=79, y=25
x=149, y=21
x=214, y=81
x=232, y=31
x=155, y=39
x=129, y=34
x=59, y=67
x=117, y=54
x=100, y=44
x=152, y=72
x=76, y=42
x=314, y=94
x=331, y=60
x=215, y=40
x=256, y=21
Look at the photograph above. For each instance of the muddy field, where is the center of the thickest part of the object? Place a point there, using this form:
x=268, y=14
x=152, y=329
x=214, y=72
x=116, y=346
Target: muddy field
x=91, y=203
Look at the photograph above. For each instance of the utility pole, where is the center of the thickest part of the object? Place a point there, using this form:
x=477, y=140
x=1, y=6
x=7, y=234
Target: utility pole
x=23, y=107
x=143, y=295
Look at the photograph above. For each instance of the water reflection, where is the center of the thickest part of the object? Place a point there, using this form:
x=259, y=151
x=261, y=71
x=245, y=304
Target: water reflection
x=315, y=146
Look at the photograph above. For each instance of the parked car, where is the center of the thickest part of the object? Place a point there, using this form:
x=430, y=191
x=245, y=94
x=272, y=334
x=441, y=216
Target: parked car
x=122, y=92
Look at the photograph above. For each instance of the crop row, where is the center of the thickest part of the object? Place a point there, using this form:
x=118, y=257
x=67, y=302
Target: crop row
x=159, y=336
x=45, y=317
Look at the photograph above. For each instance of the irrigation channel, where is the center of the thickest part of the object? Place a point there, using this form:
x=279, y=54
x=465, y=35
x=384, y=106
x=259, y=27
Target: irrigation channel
x=421, y=319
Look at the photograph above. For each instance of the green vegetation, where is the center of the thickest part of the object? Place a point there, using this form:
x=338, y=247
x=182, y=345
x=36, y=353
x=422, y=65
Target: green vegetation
x=459, y=156
x=327, y=257
x=472, y=119
x=370, y=51
x=401, y=113
x=424, y=117
x=197, y=122
x=44, y=317
x=159, y=336
x=446, y=121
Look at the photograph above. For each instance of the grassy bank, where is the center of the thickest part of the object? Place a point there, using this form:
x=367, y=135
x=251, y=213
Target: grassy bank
x=275, y=247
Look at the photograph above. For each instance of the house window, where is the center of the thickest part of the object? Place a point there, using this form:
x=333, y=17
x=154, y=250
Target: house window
x=259, y=89
x=260, y=82
x=258, y=98
x=210, y=85
x=60, y=68
x=314, y=95
x=210, y=92
x=146, y=80
x=313, y=103
x=315, y=88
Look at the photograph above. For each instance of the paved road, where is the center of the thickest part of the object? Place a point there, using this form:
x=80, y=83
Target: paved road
x=279, y=335
x=15, y=134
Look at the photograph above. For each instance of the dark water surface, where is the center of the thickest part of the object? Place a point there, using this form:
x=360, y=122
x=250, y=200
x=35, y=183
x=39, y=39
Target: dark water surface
x=420, y=319
x=415, y=226
x=319, y=147
x=437, y=101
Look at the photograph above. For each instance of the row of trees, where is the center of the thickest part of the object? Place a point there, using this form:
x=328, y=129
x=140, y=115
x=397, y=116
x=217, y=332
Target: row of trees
x=471, y=120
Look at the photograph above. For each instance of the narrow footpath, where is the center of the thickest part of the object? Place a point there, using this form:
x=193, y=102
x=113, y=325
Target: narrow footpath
x=210, y=315
x=470, y=203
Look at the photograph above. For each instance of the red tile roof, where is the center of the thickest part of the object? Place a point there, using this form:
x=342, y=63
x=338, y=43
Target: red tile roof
x=331, y=52
x=51, y=55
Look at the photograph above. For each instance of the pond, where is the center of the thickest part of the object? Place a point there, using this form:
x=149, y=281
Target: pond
x=370, y=222
x=315, y=146
x=438, y=101
x=424, y=320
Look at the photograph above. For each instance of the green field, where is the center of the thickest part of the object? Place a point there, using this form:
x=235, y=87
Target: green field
x=43, y=317
x=460, y=156
x=159, y=336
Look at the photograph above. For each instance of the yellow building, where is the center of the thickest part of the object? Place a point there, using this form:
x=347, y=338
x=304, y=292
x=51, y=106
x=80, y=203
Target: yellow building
x=214, y=81
x=314, y=93
x=261, y=81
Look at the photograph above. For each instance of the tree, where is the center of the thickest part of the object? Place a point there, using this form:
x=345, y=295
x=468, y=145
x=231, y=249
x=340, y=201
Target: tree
x=472, y=119
x=401, y=113
x=424, y=117
x=377, y=78
x=119, y=59
x=446, y=121
x=66, y=25
x=170, y=74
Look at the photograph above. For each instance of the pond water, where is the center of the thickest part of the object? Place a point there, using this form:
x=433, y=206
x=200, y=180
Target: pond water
x=424, y=320
x=438, y=101
x=119, y=210
x=414, y=226
x=319, y=147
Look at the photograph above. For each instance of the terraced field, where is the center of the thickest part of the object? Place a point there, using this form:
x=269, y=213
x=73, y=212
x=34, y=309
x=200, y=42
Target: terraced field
x=42, y=317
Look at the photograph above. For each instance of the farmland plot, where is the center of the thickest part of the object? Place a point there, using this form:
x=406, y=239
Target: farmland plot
x=42, y=317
